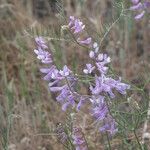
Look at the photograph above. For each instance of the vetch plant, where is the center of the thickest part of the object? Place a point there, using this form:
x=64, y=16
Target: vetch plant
x=103, y=87
x=64, y=81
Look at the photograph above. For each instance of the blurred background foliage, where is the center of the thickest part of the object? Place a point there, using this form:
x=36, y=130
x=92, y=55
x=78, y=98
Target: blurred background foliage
x=28, y=112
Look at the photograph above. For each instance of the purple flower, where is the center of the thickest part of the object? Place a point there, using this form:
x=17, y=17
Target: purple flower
x=104, y=58
x=139, y=16
x=56, y=75
x=86, y=41
x=48, y=71
x=63, y=82
x=71, y=21
x=57, y=88
x=89, y=69
x=57, y=78
x=121, y=87
x=101, y=67
x=44, y=56
x=100, y=112
x=66, y=98
x=107, y=84
x=96, y=48
x=41, y=42
x=63, y=94
x=65, y=72
x=109, y=125
x=92, y=54
x=146, y=4
x=81, y=102
x=137, y=6
x=68, y=103
x=95, y=45
x=140, y=7
x=99, y=108
x=78, y=139
x=135, y=1
x=76, y=25
x=101, y=61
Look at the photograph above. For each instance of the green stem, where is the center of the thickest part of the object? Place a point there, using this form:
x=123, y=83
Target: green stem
x=137, y=139
x=109, y=29
x=86, y=141
x=109, y=145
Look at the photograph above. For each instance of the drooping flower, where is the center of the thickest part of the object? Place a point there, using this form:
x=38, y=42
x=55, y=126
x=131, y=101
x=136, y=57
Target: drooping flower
x=86, y=41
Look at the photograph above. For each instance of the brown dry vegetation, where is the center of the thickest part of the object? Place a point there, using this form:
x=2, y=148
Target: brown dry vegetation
x=28, y=113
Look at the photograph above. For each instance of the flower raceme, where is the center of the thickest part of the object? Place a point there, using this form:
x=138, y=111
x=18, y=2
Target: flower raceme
x=140, y=7
x=56, y=77
x=63, y=82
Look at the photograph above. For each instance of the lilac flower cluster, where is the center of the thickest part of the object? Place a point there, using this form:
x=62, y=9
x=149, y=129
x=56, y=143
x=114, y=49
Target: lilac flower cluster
x=103, y=87
x=78, y=139
x=64, y=81
x=60, y=81
x=141, y=7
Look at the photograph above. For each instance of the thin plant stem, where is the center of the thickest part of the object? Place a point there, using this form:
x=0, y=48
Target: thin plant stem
x=137, y=139
x=76, y=40
x=109, y=29
x=109, y=145
x=86, y=141
x=146, y=124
